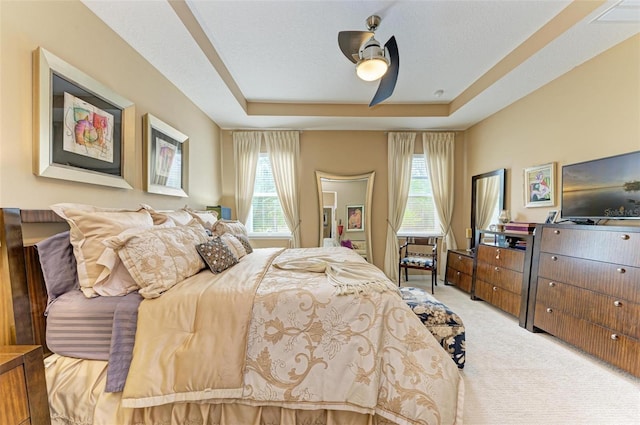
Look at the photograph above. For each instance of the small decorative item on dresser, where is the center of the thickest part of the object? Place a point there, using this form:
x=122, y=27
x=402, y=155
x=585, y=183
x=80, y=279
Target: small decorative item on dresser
x=504, y=216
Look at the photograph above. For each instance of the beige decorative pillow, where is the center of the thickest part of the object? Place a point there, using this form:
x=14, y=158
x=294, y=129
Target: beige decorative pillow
x=179, y=217
x=115, y=279
x=234, y=245
x=161, y=257
x=208, y=219
x=234, y=227
x=89, y=226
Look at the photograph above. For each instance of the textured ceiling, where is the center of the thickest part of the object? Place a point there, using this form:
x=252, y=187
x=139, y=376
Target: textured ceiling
x=276, y=64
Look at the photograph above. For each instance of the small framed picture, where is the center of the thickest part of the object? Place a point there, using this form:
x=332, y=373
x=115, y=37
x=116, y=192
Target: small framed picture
x=355, y=218
x=539, y=186
x=166, y=158
x=551, y=217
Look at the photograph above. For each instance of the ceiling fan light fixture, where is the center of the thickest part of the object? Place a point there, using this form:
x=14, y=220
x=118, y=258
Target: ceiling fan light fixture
x=372, y=64
x=371, y=69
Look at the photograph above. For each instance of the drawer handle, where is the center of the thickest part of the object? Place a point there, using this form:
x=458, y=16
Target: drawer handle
x=496, y=269
x=552, y=284
x=549, y=310
x=457, y=273
x=460, y=257
x=624, y=237
x=621, y=270
x=554, y=258
x=556, y=232
x=495, y=288
x=617, y=303
x=614, y=337
x=498, y=256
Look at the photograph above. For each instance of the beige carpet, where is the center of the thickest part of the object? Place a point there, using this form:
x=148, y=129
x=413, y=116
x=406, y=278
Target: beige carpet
x=513, y=376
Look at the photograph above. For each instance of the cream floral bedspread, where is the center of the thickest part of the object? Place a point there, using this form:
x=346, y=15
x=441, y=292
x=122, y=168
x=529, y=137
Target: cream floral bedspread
x=306, y=346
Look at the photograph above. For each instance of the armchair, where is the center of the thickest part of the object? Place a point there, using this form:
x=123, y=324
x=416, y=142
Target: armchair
x=421, y=254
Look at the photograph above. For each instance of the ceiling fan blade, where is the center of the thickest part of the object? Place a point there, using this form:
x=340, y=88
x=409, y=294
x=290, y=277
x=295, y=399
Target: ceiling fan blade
x=350, y=42
x=388, y=80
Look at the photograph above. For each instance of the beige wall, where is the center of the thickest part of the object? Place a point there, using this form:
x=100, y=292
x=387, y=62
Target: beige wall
x=591, y=112
x=71, y=32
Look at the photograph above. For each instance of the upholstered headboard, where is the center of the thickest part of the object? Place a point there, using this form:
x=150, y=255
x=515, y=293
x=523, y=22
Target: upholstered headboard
x=28, y=292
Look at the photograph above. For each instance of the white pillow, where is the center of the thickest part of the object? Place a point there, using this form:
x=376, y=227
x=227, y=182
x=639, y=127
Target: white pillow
x=89, y=226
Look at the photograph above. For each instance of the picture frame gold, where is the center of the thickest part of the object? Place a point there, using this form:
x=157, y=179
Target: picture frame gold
x=165, y=158
x=540, y=186
x=91, y=146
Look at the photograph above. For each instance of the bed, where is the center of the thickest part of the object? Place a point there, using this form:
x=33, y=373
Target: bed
x=283, y=336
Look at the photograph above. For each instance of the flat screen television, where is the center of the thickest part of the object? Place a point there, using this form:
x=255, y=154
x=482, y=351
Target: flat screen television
x=602, y=189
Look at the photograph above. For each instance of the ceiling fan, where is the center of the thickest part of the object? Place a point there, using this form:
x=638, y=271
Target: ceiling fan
x=372, y=61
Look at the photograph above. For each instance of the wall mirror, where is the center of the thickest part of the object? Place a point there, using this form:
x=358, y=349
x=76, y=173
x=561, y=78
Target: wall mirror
x=487, y=199
x=345, y=211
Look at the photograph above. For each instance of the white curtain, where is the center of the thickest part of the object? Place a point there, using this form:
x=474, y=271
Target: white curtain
x=246, y=150
x=488, y=191
x=284, y=150
x=400, y=157
x=439, y=153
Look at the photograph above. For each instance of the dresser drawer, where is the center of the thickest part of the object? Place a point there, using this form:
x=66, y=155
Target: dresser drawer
x=612, y=279
x=504, y=300
x=619, y=315
x=502, y=257
x=619, y=350
x=618, y=247
x=498, y=276
x=460, y=262
x=459, y=279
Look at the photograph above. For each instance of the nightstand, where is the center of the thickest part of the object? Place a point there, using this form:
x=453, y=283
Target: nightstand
x=23, y=386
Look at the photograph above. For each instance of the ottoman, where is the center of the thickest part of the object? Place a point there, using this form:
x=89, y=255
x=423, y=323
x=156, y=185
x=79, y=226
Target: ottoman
x=445, y=325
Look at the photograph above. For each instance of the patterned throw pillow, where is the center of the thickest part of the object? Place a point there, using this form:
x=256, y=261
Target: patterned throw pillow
x=234, y=245
x=216, y=254
x=245, y=242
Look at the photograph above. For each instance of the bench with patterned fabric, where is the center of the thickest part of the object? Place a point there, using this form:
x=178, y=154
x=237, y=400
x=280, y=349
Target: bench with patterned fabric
x=445, y=325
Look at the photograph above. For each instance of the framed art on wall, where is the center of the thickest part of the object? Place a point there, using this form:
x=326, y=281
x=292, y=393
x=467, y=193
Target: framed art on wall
x=355, y=218
x=539, y=185
x=82, y=129
x=166, y=158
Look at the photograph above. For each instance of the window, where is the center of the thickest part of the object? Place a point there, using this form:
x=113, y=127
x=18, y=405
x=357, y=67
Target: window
x=420, y=215
x=266, y=216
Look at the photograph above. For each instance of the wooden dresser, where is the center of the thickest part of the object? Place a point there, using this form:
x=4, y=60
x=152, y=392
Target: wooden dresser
x=22, y=385
x=501, y=273
x=460, y=269
x=586, y=290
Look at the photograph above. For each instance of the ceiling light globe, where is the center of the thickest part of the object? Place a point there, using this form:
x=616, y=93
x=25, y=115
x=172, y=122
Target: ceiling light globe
x=371, y=69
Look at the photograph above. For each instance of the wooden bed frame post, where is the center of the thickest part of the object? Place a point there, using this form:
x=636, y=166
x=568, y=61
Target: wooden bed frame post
x=12, y=252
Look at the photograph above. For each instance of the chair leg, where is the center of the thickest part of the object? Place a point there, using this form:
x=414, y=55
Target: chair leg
x=399, y=276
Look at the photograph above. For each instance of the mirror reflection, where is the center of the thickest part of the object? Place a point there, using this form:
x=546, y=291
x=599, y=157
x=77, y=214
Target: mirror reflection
x=345, y=211
x=487, y=198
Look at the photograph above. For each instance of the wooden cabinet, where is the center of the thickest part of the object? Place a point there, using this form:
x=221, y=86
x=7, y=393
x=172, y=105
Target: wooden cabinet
x=22, y=385
x=501, y=271
x=585, y=290
x=459, y=269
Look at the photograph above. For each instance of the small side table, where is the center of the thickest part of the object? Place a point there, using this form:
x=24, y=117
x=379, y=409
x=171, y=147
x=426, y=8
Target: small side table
x=22, y=385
